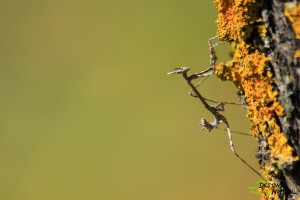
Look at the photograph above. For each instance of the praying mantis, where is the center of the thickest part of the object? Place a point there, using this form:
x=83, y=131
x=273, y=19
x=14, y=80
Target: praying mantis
x=218, y=106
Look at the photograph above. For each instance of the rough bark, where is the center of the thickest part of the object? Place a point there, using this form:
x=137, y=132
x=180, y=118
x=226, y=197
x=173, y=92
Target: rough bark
x=280, y=45
x=266, y=69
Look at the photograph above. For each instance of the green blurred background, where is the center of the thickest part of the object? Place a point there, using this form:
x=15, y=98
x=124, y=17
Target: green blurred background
x=88, y=112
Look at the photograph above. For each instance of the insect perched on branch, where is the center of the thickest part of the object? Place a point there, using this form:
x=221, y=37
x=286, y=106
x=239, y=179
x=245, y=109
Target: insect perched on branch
x=218, y=106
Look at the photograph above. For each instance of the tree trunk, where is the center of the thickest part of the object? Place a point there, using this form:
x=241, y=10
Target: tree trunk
x=266, y=69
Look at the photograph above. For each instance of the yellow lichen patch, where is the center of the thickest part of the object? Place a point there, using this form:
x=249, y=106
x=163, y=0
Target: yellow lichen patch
x=293, y=14
x=281, y=152
x=234, y=17
x=297, y=53
x=249, y=72
x=279, y=110
x=262, y=30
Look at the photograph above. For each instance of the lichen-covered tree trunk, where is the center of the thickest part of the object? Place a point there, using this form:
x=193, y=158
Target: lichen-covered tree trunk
x=266, y=70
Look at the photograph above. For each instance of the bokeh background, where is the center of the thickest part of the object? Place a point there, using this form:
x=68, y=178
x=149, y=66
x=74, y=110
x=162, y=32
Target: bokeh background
x=88, y=112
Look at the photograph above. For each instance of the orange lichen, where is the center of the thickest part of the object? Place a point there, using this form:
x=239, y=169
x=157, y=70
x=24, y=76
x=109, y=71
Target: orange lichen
x=234, y=18
x=297, y=53
x=281, y=152
x=292, y=12
x=262, y=30
x=237, y=20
